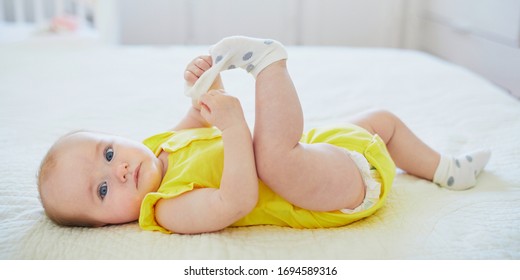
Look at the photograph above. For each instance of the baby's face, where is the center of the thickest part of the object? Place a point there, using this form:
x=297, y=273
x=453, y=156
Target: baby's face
x=104, y=177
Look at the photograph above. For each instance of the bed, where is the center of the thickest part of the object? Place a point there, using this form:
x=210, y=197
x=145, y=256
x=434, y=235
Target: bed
x=50, y=86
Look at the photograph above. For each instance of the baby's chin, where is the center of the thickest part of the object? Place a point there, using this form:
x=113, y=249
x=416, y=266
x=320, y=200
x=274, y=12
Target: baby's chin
x=150, y=177
x=121, y=220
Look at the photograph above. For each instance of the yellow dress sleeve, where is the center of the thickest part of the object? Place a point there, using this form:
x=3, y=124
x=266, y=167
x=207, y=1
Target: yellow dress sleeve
x=154, y=142
x=147, y=215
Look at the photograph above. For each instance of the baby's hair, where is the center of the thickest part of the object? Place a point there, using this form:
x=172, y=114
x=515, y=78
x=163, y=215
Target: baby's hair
x=45, y=171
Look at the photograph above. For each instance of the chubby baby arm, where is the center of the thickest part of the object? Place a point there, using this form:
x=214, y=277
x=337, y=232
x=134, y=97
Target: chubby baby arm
x=206, y=210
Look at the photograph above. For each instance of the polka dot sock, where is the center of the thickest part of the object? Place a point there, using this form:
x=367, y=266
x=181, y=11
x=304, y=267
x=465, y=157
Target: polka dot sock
x=251, y=54
x=460, y=173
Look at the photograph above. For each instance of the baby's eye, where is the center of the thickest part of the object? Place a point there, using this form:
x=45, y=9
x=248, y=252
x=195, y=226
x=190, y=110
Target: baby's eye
x=109, y=154
x=103, y=190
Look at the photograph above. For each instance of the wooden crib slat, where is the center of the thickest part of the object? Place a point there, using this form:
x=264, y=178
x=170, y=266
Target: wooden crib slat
x=19, y=14
x=39, y=11
x=2, y=15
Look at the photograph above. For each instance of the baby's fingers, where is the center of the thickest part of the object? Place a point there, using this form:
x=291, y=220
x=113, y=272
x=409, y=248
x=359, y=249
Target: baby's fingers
x=190, y=77
x=196, y=68
x=206, y=105
x=204, y=62
x=209, y=100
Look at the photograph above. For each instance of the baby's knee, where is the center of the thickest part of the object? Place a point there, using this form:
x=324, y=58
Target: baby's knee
x=382, y=116
x=381, y=122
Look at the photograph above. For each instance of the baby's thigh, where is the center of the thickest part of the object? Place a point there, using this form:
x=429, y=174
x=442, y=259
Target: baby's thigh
x=319, y=177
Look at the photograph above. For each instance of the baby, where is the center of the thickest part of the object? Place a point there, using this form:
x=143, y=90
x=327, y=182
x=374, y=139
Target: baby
x=209, y=172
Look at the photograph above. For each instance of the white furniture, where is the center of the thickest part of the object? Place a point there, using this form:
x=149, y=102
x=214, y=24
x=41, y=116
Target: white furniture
x=483, y=35
x=23, y=19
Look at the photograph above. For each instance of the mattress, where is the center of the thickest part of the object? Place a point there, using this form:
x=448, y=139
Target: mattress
x=49, y=87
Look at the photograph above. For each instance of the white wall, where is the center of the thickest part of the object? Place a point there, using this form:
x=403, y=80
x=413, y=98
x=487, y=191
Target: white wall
x=370, y=23
x=373, y=23
x=212, y=20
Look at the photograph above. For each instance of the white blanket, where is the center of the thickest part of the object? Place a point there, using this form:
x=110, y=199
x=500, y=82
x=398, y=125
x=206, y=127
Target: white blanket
x=48, y=88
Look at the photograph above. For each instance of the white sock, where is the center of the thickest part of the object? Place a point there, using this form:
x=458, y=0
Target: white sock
x=460, y=173
x=251, y=54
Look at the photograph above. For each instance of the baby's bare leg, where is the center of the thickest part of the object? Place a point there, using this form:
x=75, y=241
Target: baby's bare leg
x=313, y=176
x=416, y=158
x=406, y=149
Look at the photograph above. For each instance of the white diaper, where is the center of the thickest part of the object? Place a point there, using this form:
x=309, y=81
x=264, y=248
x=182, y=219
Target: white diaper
x=369, y=175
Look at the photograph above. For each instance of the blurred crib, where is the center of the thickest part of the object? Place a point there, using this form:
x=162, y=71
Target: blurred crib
x=20, y=19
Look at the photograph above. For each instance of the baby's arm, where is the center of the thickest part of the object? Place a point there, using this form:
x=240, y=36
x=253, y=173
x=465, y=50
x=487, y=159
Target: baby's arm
x=208, y=209
x=194, y=70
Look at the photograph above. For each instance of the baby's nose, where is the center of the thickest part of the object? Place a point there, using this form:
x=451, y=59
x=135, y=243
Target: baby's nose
x=122, y=171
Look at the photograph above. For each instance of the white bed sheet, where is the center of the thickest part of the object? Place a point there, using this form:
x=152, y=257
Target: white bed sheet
x=50, y=87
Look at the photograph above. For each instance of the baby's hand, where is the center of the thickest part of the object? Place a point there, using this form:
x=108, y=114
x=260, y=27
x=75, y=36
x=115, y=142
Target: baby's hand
x=221, y=110
x=196, y=68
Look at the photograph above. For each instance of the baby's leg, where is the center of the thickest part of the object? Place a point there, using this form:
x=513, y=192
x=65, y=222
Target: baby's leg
x=407, y=150
x=313, y=176
x=416, y=158
x=317, y=177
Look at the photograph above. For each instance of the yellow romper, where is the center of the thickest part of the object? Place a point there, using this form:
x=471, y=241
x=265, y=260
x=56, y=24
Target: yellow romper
x=196, y=161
